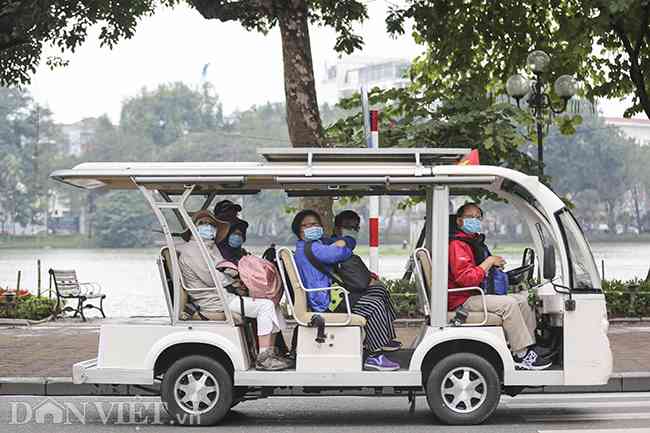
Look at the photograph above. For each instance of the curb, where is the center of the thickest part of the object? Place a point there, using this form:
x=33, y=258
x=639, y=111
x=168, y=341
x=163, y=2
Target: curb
x=58, y=386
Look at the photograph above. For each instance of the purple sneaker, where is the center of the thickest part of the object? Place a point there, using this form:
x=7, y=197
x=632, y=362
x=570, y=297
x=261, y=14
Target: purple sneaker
x=380, y=363
x=392, y=346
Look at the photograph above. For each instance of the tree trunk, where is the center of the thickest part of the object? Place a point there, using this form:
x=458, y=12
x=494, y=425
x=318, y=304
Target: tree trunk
x=611, y=216
x=303, y=116
x=637, y=212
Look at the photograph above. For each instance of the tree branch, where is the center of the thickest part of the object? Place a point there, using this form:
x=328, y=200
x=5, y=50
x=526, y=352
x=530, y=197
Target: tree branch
x=15, y=43
x=227, y=11
x=642, y=31
x=636, y=75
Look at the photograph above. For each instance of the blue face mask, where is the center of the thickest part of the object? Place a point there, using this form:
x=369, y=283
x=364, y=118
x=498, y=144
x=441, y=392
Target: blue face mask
x=350, y=233
x=207, y=231
x=313, y=233
x=235, y=240
x=471, y=225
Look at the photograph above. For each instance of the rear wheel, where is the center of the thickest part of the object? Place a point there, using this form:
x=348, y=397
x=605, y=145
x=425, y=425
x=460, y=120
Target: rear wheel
x=463, y=389
x=197, y=390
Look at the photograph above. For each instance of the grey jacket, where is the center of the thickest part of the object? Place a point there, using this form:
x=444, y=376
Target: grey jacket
x=196, y=274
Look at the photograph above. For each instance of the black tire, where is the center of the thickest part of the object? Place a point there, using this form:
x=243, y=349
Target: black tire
x=199, y=367
x=482, y=380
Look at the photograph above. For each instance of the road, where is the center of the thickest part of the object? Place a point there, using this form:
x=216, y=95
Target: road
x=558, y=413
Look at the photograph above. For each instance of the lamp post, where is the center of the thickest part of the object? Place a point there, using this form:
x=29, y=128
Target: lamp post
x=538, y=99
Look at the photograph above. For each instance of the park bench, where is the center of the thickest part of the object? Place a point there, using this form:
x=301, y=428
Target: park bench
x=68, y=287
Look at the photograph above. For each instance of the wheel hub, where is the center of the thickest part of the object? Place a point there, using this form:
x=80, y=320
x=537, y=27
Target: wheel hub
x=463, y=390
x=196, y=391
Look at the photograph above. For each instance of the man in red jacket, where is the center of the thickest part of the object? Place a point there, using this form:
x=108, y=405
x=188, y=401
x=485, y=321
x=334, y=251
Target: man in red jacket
x=465, y=270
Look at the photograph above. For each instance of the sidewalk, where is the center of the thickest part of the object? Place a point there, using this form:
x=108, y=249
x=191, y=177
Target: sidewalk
x=50, y=349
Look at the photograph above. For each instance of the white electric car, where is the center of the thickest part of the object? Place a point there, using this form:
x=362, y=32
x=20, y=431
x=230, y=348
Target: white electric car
x=204, y=367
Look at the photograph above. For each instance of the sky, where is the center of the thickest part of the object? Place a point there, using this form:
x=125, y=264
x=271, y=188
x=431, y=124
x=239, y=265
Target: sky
x=174, y=45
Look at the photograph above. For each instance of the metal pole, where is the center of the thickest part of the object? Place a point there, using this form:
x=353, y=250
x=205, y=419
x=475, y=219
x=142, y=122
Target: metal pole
x=438, y=238
x=540, y=149
x=38, y=270
x=537, y=101
x=373, y=217
x=18, y=282
x=365, y=111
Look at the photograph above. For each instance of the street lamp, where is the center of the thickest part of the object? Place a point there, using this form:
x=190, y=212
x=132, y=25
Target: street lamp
x=538, y=100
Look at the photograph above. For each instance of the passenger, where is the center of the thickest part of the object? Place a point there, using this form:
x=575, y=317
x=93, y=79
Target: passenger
x=518, y=317
x=196, y=274
x=346, y=227
x=227, y=211
x=231, y=246
x=307, y=226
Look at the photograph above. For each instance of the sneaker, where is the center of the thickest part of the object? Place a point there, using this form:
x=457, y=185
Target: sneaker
x=268, y=361
x=380, y=363
x=392, y=346
x=531, y=361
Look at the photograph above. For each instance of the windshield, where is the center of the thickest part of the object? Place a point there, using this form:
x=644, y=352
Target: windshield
x=584, y=275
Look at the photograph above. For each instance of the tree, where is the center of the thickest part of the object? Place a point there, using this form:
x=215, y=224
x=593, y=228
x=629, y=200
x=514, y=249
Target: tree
x=123, y=220
x=28, y=153
x=293, y=18
x=606, y=43
x=27, y=25
x=171, y=111
x=593, y=168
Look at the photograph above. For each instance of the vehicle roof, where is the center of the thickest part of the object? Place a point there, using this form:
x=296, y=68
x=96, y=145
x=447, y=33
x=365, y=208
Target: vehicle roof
x=309, y=171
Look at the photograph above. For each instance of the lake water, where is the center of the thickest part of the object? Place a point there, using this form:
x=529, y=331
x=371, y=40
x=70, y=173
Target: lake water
x=131, y=281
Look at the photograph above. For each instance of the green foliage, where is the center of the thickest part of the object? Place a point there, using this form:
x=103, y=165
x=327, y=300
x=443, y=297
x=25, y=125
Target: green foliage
x=124, y=219
x=29, y=25
x=412, y=118
x=28, y=153
x=29, y=307
x=403, y=294
x=171, y=111
x=627, y=298
x=480, y=44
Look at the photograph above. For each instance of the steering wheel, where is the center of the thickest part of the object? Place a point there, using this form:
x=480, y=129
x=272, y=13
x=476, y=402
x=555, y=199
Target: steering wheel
x=525, y=271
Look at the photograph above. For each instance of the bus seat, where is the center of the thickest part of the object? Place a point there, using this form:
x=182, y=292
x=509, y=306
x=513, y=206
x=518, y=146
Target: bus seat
x=299, y=305
x=423, y=275
x=219, y=316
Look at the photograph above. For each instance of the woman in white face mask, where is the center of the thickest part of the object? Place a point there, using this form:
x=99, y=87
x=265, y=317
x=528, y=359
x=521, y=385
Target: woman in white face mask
x=196, y=274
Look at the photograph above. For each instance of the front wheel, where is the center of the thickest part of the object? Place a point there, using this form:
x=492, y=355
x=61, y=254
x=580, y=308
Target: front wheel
x=197, y=390
x=463, y=389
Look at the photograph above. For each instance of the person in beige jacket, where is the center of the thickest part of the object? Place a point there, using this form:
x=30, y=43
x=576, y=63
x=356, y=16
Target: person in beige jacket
x=196, y=275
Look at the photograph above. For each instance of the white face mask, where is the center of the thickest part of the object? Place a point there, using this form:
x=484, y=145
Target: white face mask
x=349, y=232
x=207, y=231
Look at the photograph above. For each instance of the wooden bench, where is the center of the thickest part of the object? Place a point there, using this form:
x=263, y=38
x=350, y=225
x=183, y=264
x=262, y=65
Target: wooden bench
x=68, y=287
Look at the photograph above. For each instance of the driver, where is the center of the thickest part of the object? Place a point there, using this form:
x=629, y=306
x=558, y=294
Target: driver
x=464, y=271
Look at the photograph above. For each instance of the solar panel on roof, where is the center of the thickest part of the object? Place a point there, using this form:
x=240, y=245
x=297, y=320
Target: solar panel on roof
x=428, y=156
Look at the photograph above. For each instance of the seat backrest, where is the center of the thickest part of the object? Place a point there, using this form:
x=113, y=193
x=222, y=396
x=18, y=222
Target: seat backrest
x=168, y=267
x=290, y=272
x=65, y=282
x=423, y=276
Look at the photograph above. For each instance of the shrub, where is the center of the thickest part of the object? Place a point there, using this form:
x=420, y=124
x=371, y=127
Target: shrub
x=627, y=298
x=27, y=307
x=404, y=297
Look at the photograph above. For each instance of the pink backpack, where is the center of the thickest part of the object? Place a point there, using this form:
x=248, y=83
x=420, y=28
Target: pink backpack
x=261, y=277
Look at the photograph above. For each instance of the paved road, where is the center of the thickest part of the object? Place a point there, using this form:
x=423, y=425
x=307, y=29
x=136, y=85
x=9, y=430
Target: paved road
x=568, y=413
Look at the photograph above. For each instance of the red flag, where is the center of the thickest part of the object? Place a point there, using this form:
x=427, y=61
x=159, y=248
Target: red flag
x=470, y=159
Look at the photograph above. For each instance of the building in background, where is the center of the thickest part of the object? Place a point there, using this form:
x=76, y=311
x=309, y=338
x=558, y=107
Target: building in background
x=344, y=78
x=638, y=129
x=78, y=136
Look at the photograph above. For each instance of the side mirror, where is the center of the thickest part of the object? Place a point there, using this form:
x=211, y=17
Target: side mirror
x=528, y=257
x=549, y=262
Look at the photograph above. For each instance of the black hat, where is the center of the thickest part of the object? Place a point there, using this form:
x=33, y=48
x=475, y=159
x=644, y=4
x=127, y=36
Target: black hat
x=226, y=207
